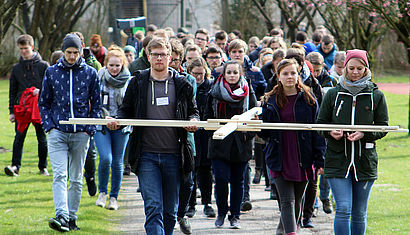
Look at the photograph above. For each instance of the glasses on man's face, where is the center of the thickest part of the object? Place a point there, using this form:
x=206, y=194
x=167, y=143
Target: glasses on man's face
x=214, y=57
x=158, y=55
x=201, y=39
x=176, y=60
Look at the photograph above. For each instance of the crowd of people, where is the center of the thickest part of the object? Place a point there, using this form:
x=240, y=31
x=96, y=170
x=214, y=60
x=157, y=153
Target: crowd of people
x=165, y=75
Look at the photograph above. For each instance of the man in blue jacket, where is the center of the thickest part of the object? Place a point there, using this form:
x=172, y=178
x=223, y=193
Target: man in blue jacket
x=70, y=90
x=328, y=49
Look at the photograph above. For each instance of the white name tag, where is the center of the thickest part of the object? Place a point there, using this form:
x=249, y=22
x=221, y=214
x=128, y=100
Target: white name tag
x=369, y=145
x=105, y=99
x=162, y=101
x=238, y=91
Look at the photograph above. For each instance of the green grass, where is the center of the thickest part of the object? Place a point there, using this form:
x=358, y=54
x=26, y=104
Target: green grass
x=391, y=79
x=26, y=202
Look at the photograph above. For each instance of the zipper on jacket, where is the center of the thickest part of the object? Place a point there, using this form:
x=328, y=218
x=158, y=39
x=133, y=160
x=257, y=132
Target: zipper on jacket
x=71, y=98
x=339, y=108
x=352, y=143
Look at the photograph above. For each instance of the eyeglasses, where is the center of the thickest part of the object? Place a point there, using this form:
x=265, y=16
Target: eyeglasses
x=197, y=74
x=214, y=58
x=175, y=60
x=158, y=55
x=201, y=39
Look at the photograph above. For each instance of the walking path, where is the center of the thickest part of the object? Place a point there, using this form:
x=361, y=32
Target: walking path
x=262, y=219
x=396, y=88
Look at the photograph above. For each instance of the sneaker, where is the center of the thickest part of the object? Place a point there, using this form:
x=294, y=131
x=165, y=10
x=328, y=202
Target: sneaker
x=184, y=225
x=191, y=212
x=44, y=172
x=246, y=206
x=307, y=223
x=209, y=211
x=11, y=171
x=219, y=222
x=72, y=225
x=92, y=188
x=59, y=223
x=257, y=177
x=112, y=204
x=267, y=188
x=327, y=206
x=273, y=195
x=127, y=170
x=235, y=222
x=102, y=197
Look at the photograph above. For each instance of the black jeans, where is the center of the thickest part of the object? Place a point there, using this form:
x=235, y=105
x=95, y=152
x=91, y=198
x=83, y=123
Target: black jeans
x=260, y=162
x=90, y=160
x=19, y=143
x=185, y=192
x=290, y=194
x=204, y=174
x=310, y=197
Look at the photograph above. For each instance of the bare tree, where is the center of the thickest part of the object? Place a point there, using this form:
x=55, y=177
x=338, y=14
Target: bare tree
x=8, y=11
x=48, y=21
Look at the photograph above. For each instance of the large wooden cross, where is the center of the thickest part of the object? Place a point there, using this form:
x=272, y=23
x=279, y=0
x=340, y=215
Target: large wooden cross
x=243, y=122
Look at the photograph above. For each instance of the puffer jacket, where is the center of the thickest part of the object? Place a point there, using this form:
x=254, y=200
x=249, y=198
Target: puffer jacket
x=70, y=92
x=311, y=146
x=25, y=74
x=343, y=157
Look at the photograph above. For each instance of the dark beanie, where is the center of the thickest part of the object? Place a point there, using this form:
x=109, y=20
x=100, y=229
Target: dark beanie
x=72, y=40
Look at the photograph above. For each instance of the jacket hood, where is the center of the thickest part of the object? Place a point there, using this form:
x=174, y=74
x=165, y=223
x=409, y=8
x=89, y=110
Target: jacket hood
x=36, y=58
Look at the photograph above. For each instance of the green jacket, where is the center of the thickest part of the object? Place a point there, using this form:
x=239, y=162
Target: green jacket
x=368, y=107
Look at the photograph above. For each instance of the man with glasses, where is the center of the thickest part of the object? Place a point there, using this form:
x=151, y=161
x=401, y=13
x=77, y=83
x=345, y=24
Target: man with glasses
x=201, y=38
x=213, y=57
x=159, y=156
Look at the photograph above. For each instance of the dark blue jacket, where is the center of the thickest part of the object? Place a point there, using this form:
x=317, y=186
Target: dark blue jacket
x=311, y=146
x=69, y=93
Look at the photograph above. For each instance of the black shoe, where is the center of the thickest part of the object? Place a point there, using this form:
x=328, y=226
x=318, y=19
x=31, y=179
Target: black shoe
x=127, y=170
x=273, y=195
x=92, y=188
x=234, y=220
x=11, y=171
x=72, y=225
x=209, y=211
x=257, y=177
x=307, y=223
x=59, y=223
x=246, y=206
x=184, y=225
x=219, y=222
x=191, y=212
x=327, y=206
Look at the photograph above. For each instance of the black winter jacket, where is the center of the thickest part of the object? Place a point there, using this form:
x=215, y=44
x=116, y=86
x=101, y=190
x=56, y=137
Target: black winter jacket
x=25, y=74
x=134, y=106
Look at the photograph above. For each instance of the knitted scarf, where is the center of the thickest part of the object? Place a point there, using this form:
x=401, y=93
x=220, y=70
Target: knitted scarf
x=223, y=93
x=355, y=87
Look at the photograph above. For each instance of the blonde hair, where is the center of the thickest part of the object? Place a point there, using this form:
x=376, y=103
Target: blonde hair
x=366, y=72
x=237, y=44
x=116, y=51
x=315, y=58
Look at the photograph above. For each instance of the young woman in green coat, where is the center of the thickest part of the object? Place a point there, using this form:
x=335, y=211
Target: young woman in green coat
x=351, y=158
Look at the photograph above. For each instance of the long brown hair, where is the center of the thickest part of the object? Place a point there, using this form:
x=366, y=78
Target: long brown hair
x=280, y=98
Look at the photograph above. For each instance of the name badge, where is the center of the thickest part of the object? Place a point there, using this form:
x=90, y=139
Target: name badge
x=162, y=101
x=105, y=99
x=238, y=91
x=369, y=145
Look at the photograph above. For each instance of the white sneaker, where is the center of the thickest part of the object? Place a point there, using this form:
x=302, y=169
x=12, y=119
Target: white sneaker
x=112, y=204
x=102, y=198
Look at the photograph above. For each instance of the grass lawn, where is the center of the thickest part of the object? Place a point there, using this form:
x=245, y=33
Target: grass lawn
x=26, y=202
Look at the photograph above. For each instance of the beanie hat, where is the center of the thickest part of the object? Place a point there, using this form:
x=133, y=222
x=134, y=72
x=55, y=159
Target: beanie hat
x=72, y=40
x=96, y=40
x=131, y=49
x=356, y=53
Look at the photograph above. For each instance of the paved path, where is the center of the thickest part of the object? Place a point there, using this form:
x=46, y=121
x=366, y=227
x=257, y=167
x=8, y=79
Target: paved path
x=396, y=88
x=262, y=219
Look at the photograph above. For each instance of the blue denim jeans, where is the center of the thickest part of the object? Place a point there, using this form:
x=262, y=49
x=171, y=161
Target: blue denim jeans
x=159, y=180
x=324, y=188
x=67, y=153
x=233, y=173
x=351, y=204
x=111, y=147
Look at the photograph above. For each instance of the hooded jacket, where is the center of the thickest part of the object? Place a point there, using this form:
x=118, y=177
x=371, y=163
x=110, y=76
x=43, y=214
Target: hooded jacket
x=25, y=74
x=70, y=92
x=343, y=157
x=134, y=106
x=329, y=57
